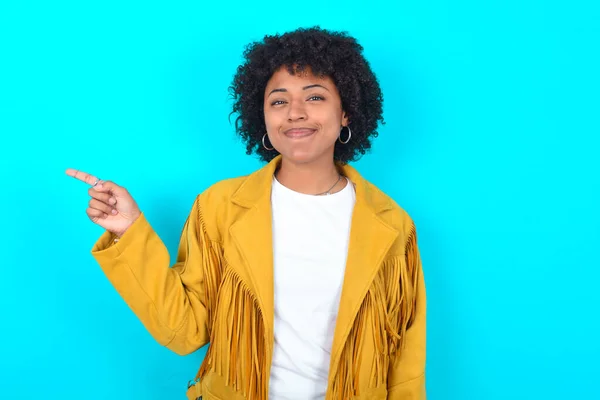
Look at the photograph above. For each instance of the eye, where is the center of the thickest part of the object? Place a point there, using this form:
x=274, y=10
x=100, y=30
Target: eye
x=316, y=97
x=277, y=102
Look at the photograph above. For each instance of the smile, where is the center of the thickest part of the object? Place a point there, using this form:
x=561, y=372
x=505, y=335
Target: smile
x=297, y=133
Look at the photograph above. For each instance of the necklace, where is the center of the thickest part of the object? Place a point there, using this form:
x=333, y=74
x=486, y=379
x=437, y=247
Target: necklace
x=331, y=188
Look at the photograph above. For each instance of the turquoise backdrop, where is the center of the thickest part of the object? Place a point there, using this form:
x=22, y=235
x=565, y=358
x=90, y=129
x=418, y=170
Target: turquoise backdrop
x=491, y=144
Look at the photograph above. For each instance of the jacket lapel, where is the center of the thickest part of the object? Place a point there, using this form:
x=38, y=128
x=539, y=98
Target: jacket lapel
x=370, y=240
x=252, y=234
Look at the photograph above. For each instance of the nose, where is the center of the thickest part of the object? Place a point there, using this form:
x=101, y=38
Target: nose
x=296, y=111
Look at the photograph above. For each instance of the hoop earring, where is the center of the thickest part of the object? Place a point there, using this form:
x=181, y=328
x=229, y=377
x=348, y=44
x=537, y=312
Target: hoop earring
x=264, y=145
x=349, y=135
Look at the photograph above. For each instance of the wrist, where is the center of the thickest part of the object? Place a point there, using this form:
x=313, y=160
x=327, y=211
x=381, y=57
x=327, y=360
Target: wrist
x=134, y=218
x=119, y=234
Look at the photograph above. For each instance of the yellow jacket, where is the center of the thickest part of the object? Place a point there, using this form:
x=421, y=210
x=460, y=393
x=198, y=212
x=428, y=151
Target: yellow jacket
x=220, y=290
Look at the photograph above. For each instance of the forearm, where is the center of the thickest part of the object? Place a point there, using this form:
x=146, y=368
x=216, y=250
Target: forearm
x=138, y=266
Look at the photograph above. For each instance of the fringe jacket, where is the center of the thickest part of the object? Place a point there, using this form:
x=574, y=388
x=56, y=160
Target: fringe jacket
x=220, y=291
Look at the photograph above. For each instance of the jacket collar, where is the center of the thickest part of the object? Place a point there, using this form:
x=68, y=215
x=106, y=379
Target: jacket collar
x=370, y=240
x=257, y=186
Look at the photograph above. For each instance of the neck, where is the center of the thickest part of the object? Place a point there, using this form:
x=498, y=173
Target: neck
x=310, y=178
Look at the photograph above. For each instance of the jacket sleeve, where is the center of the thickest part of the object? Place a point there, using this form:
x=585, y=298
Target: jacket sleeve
x=170, y=302
x=406, y=377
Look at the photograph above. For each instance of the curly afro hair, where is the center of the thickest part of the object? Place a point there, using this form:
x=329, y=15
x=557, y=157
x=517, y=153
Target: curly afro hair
x=327, y=53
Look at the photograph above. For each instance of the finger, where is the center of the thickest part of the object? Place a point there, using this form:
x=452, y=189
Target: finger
x=108, y=186
x=103, y=197
x=105, y=208
x=95, y=215
x=82, y=176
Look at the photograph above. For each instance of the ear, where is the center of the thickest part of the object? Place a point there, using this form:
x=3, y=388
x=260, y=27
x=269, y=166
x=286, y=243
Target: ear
x=344, y=118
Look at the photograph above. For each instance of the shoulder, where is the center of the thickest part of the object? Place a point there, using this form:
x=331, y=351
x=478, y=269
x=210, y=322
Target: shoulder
x=212, y=207
x=220, y=192
x=390, y=211
x=384, y=206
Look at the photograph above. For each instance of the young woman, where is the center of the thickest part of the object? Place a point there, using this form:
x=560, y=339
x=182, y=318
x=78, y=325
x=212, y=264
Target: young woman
x=304, y=278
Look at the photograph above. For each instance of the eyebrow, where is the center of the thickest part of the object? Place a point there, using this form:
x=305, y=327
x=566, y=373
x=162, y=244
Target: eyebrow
x=304, y=88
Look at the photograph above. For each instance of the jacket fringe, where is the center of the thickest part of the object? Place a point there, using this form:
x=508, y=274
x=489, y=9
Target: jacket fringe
x=212, y=263
x=237, y=348
x=388, y=310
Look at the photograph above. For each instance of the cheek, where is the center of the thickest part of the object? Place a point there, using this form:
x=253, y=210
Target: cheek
x=273, y=114
x=332, y=122
x=270, y=120
x=332, y=113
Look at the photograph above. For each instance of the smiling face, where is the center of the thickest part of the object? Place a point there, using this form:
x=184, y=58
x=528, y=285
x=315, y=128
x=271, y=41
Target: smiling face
x=303, y=115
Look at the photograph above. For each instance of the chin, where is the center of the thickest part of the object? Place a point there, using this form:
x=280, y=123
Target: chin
x=301, y=157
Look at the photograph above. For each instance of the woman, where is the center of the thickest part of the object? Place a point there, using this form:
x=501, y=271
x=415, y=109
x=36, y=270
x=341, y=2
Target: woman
x=304, y=278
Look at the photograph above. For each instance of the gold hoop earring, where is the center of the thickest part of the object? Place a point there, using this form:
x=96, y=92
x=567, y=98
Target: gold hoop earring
x=349, y=135
x=264, y=145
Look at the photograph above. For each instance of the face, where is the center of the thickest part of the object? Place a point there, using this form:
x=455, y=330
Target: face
x=303, y=115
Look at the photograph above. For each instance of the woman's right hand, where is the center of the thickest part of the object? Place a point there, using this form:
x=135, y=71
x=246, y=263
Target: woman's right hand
x=111, y=205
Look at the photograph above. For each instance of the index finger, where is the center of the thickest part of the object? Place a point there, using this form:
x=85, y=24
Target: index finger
x=82, y=176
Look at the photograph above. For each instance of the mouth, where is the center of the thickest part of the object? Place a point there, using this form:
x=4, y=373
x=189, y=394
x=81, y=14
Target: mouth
x=296, y=133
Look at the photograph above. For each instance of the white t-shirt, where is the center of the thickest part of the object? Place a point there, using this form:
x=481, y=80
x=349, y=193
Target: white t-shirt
x=310, y=246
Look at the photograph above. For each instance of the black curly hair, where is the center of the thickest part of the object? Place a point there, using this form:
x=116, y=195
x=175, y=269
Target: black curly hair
x=327, y=53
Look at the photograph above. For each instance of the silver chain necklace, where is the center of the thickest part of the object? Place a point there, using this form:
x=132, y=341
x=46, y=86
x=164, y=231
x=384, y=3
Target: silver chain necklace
x=331, y=188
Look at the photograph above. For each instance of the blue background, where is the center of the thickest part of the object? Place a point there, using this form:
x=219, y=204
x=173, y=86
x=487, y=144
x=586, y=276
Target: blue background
x=491, y=144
